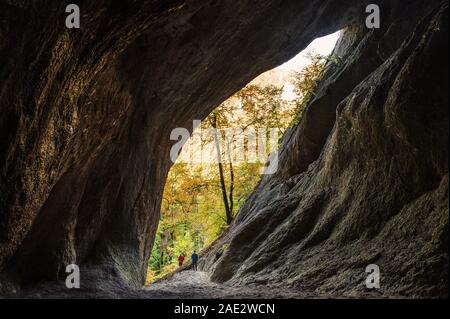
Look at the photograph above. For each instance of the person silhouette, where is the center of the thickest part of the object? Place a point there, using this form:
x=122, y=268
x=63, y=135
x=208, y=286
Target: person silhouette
x=194, y=258
x=180, y=260
x=218, y=255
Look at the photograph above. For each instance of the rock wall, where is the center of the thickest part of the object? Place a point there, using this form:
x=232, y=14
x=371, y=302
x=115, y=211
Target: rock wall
x=363, y=179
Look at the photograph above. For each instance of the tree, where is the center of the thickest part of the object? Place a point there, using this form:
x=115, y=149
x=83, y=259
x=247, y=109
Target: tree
x=227, y=201
x=305, y=82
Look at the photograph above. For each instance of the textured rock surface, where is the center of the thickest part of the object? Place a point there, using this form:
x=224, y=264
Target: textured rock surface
x=364, y=177
x=85, y=123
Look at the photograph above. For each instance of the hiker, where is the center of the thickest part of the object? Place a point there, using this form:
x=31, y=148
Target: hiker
x=218, y=255
x=180, y=260
x=194, y=258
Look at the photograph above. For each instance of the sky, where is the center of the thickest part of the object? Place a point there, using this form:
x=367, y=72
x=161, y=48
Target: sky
x=323, y=46
x=281, y=75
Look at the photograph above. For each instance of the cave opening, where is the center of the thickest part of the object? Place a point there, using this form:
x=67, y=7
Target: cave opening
x=226, y=155
x=85, y=150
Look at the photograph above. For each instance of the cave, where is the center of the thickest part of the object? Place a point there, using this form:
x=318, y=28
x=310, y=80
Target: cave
x=85, y=143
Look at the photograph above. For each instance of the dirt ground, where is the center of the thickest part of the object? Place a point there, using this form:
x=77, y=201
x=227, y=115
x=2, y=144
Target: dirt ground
x=196, y=285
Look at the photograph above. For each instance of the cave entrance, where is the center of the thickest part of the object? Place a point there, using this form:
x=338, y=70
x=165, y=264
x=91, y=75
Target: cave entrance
x=225, y=156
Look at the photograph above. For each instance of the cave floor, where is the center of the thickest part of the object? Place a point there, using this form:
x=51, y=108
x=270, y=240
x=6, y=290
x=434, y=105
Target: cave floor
x=196, y=285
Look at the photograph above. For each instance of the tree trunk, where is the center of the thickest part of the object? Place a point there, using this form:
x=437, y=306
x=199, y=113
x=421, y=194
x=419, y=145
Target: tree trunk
x=230, y=160
x=221, y=174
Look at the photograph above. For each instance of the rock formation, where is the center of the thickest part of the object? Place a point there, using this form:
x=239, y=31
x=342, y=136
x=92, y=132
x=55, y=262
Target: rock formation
x=363, y=179
x=87, y=114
